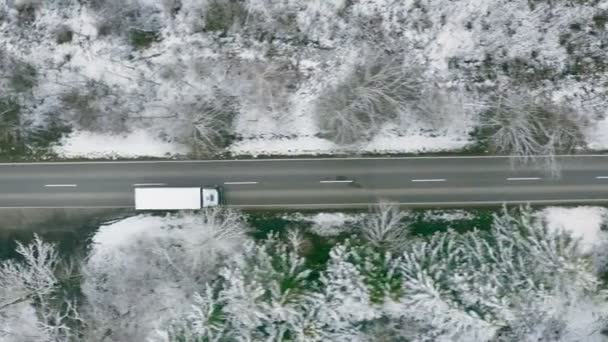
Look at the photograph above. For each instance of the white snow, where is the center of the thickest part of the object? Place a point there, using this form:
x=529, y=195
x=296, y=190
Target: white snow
x=331, y=224
x=582, y=222
x=123, y=233
x=392, y=142
x=21, y=320
x=453, y=39
x=283, y=146
x=447, y=215
x=139, y=143
x=328, y=223
x=597, y=135
x=387, y=141
x=116, y=235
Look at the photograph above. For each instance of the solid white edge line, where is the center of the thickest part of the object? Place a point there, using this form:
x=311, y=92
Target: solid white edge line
x=284, y=159
x=336, y=181
x=75, y=207
x=239, y=183
x=591, y=200
x=594, y=200
x=60, y=185
x=149, y=184
x=522, y=178
x=429, y=180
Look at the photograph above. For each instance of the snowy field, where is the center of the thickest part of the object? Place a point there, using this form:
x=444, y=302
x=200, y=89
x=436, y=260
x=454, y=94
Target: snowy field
x=128, y=78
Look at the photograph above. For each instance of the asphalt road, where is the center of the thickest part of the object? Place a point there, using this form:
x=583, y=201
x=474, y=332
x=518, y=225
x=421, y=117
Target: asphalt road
x=308, y=183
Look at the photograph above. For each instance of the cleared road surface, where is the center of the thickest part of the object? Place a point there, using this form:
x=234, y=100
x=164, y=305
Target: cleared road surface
x=308, y=183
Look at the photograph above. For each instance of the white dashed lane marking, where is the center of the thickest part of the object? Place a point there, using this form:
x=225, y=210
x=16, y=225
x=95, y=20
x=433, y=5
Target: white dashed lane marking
x=429, y=180
x=149, y=184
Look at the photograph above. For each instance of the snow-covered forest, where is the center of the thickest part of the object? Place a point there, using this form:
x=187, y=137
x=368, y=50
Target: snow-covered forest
x=99, y=78
x=375, y=276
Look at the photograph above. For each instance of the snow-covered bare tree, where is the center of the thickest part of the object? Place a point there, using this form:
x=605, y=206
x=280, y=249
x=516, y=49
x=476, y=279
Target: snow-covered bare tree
x=442, y=108
x=95, y=106
x=263, y=85
x=532, y=130
x=224, y=15
x=209, y=123
x=375, y=91
x=385, y=226
x=272, y=19
x=10, y=123
x=127, y=18
x=146, y=279
x=32, y=305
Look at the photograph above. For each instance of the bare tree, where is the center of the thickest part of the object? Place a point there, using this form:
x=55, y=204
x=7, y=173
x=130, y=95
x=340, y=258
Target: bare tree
x=442, y=108
x=531, y=130
x=132, y=288
x=375, y=92
x=34, y=277
x=264, y=86
x=384, y=226
x=121, y=17
x=95, y=106
x=30, y=291
x=208, y=123
x=222, y=15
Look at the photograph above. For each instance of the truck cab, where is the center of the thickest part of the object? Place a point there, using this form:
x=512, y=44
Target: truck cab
x=210, y=197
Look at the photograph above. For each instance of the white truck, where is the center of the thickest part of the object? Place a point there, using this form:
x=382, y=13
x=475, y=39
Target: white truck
x=177, y=198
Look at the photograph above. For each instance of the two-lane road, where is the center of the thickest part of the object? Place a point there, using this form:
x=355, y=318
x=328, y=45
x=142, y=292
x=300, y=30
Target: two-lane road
x=308, y=183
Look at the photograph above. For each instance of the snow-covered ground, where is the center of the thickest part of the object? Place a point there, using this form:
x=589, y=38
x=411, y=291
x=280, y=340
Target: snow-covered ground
x=447, y=215
x=329, y=224
x=258, y=78
x=127, y=145
x=584, y=223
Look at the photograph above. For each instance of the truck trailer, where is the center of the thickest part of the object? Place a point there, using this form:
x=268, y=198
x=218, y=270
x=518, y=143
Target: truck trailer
x=176, y=198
